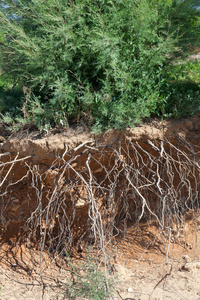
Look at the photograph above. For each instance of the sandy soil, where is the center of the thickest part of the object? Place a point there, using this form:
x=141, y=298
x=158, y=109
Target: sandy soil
x=159, y=281
x=143, y=272
x=178, y=280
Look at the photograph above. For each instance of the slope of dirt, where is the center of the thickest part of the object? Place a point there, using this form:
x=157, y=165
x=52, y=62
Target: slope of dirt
x=36, y=167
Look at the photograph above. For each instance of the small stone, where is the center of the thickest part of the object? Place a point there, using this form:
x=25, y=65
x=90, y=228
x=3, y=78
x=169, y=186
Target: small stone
x=80, y=203
x=185, y=268
x=130, y=289
x=186, y=258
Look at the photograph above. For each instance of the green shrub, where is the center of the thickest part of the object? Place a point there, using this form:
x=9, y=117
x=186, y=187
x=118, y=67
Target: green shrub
x=98, y=61
x=88, y=281
x=182, y=90
x=11, y=100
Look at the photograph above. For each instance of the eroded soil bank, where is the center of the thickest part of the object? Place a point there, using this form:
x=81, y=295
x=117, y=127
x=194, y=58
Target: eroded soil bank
x=134, y=192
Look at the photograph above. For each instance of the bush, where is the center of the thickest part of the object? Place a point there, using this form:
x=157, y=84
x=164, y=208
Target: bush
x=97, y=61
x=182, y=90
x=88, y=281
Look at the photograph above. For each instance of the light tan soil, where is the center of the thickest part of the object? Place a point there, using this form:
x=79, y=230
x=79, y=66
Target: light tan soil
x=139, y=279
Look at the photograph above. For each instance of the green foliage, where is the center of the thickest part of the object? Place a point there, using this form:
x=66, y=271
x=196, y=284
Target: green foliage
x=11, y=102
x=185, y=71
x=100, y=62
x=88, y=281
x=184, y=16
x=183, y=90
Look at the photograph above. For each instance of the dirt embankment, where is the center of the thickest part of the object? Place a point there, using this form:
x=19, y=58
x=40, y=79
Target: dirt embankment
x=70, y=188
x=73, y=165
x=43, y=150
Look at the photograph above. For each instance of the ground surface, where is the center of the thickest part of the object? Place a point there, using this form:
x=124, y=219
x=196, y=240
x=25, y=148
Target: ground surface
x=139, y=280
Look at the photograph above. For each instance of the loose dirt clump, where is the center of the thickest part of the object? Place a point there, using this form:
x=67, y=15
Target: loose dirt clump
x=130, y=195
